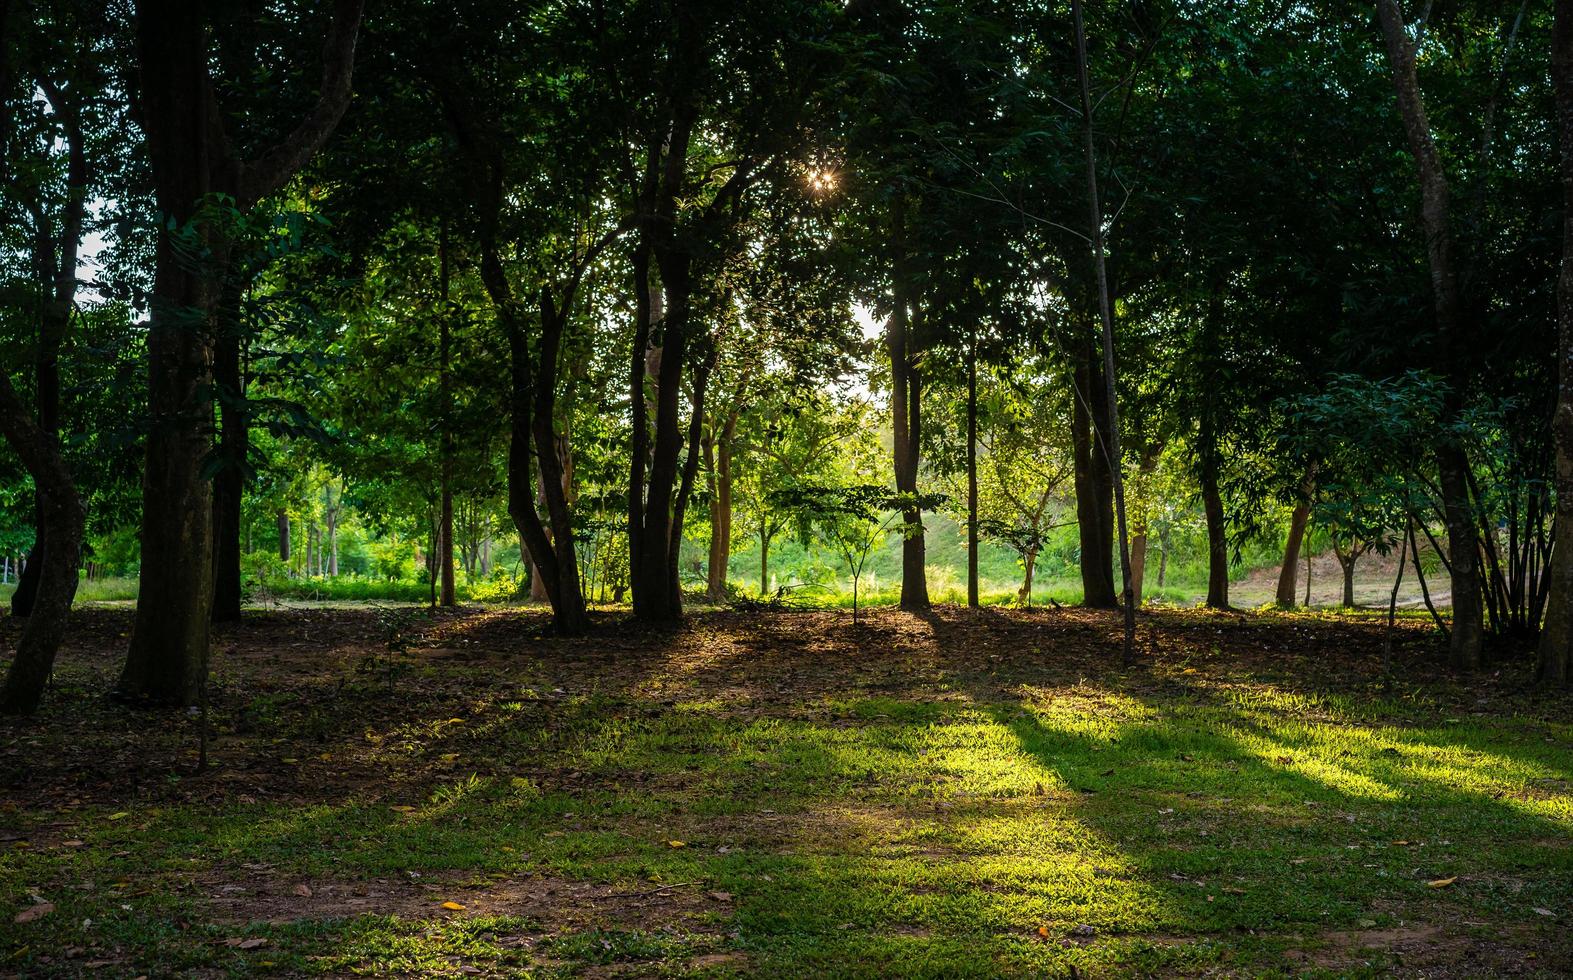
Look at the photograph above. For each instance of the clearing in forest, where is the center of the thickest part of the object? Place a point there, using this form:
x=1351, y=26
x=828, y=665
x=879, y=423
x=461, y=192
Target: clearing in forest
x=392, y=792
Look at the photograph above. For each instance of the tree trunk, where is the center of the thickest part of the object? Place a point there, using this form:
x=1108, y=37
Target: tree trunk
x=332, y=517
x=284, y=544
x=1453, y=353
x=1163, y=556
x=167, y=659
x=59, y=267
x=1291, y=565
x=1111, y=430
x=1217, y=541
x=64, y=516
x=764, y=559
x=229, y=480
x=1138, y=563
x=190, y=158
x=1556, y=636
x=1347, y=564
x=1029, y=562
x=445, y=386
x=906, y=424
x=721, y=511
x=972, y=471
x=1094, y=490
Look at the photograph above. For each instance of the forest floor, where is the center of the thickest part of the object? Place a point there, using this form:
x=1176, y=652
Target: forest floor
x=785, y=794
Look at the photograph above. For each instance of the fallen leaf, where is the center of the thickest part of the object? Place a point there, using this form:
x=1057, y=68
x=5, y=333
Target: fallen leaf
x=304, y=891
x=1441, y=882
x=255, y=942
x=675, y=843
x=1043, y=931
x=402, y=809
x=36, y=912
x=449, y=757
x=721, y=896
x=71, y=843
x=453, y=906
x=119, y=816
x=1400, y=843
x=1546, y=912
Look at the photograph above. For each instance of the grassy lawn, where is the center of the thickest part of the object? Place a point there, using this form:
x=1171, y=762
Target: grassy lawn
x=784, y=795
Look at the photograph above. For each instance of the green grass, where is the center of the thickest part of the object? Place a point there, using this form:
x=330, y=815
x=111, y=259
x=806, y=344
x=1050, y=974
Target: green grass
x=982, y=813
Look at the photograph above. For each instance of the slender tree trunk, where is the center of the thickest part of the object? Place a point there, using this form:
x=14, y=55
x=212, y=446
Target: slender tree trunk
x=1346, y=562
x=1556, y=636
x=1453, y=354
x=972, y=471
x=1094, y=489
x=1308, y=579
x=1163, y=556
x=284, y=544
x=64, y=516
x=1217, y=541
x=1029, y=562
x=1291, y=565
x=721, y=509
x=1111, y=433
x=906, y=419
x=445, y=384
x=54, y=324
x=333, y=541
x=229, y=480
x=1138, y=562
x=764, y=562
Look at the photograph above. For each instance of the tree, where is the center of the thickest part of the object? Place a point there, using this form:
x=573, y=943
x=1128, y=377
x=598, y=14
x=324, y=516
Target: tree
x=195, y=165
x=1556, y=638
x=1451, y=340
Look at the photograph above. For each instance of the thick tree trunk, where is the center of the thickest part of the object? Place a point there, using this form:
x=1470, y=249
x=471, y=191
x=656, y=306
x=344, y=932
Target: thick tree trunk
x=64, y=516
x=1453, y=353
x=1094, y=489
x=167, y=660
x=284, y=542
x=190, y=158
x=1346, y=562
x=1291, y=565
x=1217, y=541
x=1556, y=636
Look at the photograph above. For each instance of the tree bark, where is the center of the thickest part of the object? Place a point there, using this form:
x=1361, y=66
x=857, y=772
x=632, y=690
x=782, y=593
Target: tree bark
x=1138, y=562
x=1111, y=431
x=445, y=384
x=64, y=516
x=1468, y=634
x=1287, y=574
x=721, y=510
x=190, y=157
x=906, y=425
x=284, y=543
x=1556, y=636
x=60, y=266
x=972, y=471
x=234, y=439
x=1217, y=540
x=1094, y=489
